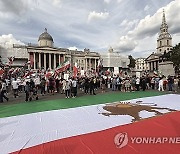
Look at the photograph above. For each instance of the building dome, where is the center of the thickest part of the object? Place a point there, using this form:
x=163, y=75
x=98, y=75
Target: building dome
x=45, y=39
x=45, y=36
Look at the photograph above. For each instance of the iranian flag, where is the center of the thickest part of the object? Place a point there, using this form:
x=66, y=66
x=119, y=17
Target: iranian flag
x=87, y=125
x=49, y=74
x=75, y=70
x=63, y=67
x=1, y=71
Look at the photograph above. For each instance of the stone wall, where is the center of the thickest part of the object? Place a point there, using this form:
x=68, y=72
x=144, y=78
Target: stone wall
x=166, y=68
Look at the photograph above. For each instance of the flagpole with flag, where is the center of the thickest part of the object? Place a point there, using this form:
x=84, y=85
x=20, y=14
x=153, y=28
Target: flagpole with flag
x=11, y=60
x=62, y=68
x=1, y=71
x=75, y=69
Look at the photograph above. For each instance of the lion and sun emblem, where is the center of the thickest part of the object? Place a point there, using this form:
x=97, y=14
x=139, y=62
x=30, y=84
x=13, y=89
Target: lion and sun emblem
x=133, y=109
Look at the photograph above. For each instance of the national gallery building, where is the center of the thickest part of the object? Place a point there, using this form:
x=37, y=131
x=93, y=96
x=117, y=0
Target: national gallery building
x=46, y=56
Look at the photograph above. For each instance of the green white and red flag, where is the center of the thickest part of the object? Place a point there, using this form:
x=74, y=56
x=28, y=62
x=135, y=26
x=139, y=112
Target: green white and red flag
x=138, y=125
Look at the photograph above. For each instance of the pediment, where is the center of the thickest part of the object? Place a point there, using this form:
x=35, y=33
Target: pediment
x=153, y=57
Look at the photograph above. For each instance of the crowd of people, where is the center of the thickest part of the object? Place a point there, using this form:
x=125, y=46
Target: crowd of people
x=38, y=85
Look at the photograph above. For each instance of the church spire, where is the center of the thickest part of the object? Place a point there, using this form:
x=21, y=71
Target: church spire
x=164, y=26
x=164, y=41
x=164, y=18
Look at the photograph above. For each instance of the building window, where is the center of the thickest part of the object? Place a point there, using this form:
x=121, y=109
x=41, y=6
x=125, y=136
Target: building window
x=160, y=43
x=167, y=42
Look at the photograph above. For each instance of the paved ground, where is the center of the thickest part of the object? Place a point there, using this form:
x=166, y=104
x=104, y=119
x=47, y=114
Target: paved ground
x=56, y=96
x=48, y=96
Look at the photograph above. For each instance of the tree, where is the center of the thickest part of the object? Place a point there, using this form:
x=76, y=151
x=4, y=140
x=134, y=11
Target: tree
x=175, y=57
x=132, y=62
x=1, y=64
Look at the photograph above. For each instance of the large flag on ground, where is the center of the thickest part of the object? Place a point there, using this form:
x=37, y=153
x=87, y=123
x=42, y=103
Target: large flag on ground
x=142, y=125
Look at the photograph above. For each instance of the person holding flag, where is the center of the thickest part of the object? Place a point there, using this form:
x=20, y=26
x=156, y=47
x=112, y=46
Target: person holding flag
x=75, y=69
x=11, y=60
x=74, y=87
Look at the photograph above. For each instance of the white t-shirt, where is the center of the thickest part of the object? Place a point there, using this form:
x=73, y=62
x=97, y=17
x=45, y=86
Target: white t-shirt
x=137, y=81
x=74, y=83
x=161, y=82
x=15, y=84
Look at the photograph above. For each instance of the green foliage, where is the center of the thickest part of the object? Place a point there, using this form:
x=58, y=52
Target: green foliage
x=175, y=57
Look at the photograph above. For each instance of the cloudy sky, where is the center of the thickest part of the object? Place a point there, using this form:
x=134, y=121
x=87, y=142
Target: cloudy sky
x=129, y=26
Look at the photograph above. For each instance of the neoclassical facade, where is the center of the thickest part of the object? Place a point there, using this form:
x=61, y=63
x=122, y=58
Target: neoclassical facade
x=164, y=44
x=140, y=64
x=46, y=56
x=114, y=60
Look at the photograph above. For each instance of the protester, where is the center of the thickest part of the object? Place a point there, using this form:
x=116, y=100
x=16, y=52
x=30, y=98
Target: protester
x=103, y=84
x=57, y=82
x=74, y=88
x=51, y=85
x=27, y=91
x=170, y=83
x=67, y=89
x=31, y=83
x=137, y=83
x=86, y=86
x=144, y=84
x=15, y=85
x=161, y=88
x=91, y=86
x=42, y=85
x=176, y=81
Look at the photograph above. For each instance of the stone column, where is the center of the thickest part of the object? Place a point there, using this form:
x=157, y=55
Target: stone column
x=50, y=61
x=45, y=61
x=95, y=65
x=34, y=54
x=59, y=59
x=149, y=66
x=89, y=64
x=54, y=61
x=29, y=59
x=155, y=65
x=85, y=62
x=39, y=60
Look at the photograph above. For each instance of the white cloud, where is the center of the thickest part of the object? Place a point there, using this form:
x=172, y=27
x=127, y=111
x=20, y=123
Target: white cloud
x=119, y=1
x=57, y=2
x=128, y=24
x=146, y=8
x=7, y=41
x=150, y=25
x=125, y=44
x=73, y=48
x=107, y=1
x=90, y=24
x=97, y=16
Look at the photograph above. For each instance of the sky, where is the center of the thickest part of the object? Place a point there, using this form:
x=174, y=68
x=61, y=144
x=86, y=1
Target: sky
x=130, y=27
